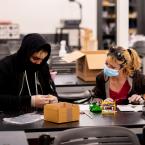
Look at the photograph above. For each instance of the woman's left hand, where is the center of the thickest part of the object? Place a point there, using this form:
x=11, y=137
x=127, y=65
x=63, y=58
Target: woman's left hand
x=137, y=99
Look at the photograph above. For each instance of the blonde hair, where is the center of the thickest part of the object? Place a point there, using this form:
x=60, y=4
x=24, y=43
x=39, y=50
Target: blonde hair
x=130, y=62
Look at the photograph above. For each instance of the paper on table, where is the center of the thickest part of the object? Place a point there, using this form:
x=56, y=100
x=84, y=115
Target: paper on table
x=24, y=119
x=130, y=107
x=84, y=108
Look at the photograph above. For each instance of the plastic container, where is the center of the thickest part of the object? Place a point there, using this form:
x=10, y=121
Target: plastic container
x=62, y=51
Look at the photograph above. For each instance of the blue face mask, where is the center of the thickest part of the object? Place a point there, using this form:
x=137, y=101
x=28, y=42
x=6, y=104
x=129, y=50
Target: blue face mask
x=110, y=72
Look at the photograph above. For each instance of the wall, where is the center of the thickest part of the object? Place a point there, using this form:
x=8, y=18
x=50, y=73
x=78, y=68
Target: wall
x=122, y=23
x=43, y=16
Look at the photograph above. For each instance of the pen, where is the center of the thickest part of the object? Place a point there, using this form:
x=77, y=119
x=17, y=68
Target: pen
x=88, y=114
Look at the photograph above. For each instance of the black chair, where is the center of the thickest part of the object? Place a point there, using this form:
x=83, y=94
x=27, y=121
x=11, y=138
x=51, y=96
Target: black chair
x=78, y=98
x=105, y=135
x=45, y=139
x=139, y=46
x=144, y=134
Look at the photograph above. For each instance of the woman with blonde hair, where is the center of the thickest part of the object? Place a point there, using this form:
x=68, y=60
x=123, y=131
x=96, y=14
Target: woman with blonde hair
x=121, y=78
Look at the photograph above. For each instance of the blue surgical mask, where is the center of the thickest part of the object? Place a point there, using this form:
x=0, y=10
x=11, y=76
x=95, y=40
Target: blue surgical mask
x=110, y=72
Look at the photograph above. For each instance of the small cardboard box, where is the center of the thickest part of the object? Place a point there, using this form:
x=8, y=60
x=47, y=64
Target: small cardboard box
x=89, y=63
x=61, y=112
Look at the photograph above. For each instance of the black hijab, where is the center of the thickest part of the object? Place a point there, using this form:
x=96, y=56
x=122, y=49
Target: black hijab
x=32, y=43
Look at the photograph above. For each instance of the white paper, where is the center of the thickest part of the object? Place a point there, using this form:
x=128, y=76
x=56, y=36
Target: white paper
x=84, y=108
x=24, y=119
x=130, y=107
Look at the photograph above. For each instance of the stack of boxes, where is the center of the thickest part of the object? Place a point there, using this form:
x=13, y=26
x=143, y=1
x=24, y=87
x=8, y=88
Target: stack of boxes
x=89, y=60
x=9, y=31
x=88, y=42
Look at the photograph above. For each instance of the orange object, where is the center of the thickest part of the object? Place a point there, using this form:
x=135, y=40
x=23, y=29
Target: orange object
x=87, y=40
x=61, y=112
x=108, y=106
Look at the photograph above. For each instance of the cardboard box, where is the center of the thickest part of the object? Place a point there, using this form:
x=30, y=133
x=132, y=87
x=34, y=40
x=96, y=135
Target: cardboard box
x=87, y=40
x=61, y=112
x=89, y=63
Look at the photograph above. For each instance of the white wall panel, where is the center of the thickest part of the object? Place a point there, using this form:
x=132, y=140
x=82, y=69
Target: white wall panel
x=43, y=16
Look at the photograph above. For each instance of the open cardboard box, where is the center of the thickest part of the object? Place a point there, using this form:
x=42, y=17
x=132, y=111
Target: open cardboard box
x=88, y=64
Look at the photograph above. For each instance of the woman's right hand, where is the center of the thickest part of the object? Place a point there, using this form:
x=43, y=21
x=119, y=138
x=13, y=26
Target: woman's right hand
x=40, y=100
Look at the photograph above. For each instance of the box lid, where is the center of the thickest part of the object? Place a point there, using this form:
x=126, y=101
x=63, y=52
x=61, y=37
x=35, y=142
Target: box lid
x=96, y=61
x=70, y=57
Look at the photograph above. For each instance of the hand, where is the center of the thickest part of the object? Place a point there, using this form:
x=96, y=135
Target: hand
x=52, y=99
x=137, y=99
x=40, y=100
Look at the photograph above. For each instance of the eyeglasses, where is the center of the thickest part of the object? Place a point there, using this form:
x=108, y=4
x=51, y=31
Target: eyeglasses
x=118, y=53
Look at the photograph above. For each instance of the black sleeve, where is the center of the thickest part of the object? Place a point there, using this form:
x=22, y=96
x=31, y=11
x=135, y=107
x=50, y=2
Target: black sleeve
x=99, y=89
x=52, y=86
x=9, y=98
x=13, y=102
x=142, y=86
x=138, y=85
x=47, y=82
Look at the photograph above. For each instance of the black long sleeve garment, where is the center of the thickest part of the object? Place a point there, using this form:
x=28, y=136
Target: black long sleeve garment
x=14, y=93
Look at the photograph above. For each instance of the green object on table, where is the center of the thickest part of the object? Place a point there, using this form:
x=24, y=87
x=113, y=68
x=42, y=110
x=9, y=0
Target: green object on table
x=95, y=108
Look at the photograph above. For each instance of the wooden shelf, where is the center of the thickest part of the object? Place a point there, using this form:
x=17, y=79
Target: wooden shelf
x=109, y=17
x=107, y=21
x=132, y=17
x=132, y=30
x=107, y=3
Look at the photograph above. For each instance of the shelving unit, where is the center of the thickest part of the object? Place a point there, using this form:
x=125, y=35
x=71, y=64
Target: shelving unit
x=106, y=21
x=8, y=46
x=133, y=14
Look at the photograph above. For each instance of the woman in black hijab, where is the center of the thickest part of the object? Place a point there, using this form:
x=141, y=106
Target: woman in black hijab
x=25, y=81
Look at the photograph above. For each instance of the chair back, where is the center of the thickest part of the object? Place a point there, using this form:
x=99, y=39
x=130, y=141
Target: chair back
x=144, y=135
x=105, y=135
